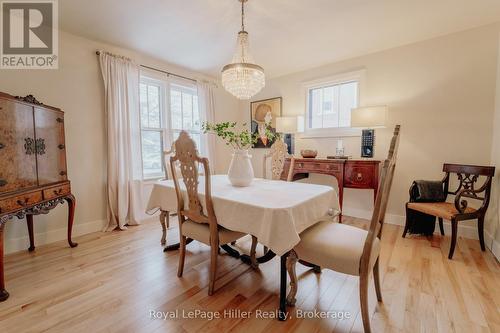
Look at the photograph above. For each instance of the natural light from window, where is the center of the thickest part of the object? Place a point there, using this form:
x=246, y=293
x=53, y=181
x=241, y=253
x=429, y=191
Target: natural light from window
x=329, y=105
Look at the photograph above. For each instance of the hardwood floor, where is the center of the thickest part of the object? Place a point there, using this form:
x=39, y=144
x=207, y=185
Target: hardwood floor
x=112, y=281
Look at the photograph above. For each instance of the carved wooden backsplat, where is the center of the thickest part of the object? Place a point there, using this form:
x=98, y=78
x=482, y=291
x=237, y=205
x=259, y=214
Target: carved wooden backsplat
x=278, y=154
x=186, y=153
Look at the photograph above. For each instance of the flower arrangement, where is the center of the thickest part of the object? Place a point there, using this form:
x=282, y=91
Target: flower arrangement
x=238, y=137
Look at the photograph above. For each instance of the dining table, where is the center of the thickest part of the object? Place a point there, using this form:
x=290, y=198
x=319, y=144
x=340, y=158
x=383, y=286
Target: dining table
x=274, y=211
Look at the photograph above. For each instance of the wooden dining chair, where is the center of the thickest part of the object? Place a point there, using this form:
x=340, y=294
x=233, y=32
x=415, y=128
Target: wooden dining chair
x=278, y=153
x=164, y=214
x=347, y=249
x=195, y=222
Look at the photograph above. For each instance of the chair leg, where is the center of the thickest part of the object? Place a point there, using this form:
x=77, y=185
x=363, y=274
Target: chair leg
x=182, y=255
x=406, y=223
x=480, y=231
x=214, y=253
x=441, y=226
x=453, y=238
x=376, y=279
x=291, y=261
x=363, y=300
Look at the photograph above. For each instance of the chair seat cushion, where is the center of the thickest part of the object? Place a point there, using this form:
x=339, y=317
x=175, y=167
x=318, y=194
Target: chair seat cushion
x=445, y=210
x=335, y=246
x=201, y=233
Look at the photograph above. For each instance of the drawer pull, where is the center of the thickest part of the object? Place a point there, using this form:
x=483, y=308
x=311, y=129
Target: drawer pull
x=3, y=182
x=23, y=203
x=62, y=173
x=59, y=191
x=359, y=177
x=61, y=146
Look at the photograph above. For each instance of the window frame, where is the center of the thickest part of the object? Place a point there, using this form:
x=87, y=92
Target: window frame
x=353, y=76
x=193, y=90
x=166, y=129
x=148, y=80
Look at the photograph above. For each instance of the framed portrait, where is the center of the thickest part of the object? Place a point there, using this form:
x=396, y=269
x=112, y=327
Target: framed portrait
x=261, y=113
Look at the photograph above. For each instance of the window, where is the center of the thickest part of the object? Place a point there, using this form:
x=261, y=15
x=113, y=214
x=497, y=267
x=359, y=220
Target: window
x=185, y=113
x=152, y=129
x=167, y=108
x=329, y=104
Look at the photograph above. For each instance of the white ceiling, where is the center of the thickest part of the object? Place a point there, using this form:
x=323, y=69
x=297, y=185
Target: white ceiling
x=286, y=35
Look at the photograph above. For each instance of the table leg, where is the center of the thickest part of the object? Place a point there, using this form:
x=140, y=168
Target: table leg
x=282, y=310
x=163, y=221
x=176, y=246
x=232, y=252
x=3, y=293
x=261, y=260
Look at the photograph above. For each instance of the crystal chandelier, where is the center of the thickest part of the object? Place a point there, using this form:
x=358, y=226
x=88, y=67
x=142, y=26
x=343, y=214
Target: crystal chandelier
x=242, y=77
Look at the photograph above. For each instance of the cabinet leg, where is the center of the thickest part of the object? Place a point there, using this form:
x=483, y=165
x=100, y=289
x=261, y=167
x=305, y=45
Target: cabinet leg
x=71, y=214
x=3, y=293
x=29, y=222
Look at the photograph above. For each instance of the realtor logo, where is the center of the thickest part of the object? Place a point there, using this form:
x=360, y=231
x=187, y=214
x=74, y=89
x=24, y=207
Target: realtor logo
x=29, y=34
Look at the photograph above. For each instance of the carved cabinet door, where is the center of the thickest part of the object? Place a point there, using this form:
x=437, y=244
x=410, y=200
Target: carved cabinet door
x=50, y=146
x=17, y=139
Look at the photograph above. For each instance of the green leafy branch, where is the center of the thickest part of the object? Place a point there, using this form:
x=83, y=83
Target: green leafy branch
x=238, y=138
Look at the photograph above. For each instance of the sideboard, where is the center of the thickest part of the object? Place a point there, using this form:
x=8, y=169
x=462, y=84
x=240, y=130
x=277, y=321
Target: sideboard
x=33, y=174
x=360, y=174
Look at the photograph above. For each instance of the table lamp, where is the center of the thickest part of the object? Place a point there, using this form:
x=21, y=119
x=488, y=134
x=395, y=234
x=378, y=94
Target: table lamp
x=368, y=118
x=288, y=126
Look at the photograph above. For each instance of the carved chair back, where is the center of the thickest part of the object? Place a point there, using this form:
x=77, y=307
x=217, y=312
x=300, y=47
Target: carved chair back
x=468, y=178
x=186, y=155
x=278, y=153
x=166, y=161
x=377, y=220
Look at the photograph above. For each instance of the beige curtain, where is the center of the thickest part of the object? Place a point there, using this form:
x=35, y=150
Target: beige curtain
x=206, y=99
x=121, y=91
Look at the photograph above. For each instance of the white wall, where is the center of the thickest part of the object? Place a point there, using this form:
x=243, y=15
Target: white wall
x=76, y=87
x=441, y=91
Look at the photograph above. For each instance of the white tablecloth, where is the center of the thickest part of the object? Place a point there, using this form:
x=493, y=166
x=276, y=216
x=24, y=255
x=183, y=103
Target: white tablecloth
x=273, y=211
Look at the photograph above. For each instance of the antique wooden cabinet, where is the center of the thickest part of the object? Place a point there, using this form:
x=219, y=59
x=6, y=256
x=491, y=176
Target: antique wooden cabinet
x=33, y=175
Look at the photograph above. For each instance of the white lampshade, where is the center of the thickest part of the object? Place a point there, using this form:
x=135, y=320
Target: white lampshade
x=369, y=117
x=287, y=124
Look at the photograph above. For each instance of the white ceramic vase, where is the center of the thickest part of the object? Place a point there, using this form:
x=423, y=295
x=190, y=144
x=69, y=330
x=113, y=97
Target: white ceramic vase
x=240, y=170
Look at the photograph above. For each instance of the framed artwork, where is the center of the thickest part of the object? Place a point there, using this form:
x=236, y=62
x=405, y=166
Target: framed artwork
x=261, y=113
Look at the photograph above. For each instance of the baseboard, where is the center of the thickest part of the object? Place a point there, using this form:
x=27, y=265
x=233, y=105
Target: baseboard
x=51, y=236
x=464, y=231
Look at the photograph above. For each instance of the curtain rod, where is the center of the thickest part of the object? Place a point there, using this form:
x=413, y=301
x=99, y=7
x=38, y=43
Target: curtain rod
x=162, y=71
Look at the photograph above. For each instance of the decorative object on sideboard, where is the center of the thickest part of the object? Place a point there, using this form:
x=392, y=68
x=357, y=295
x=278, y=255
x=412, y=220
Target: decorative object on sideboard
x=32, y=166
x=339, y=151
x=368, y=118
x=309, y=153
x=288, y=126
x=242, y=77
x=29, y=99
x=240, y=171
x=263, y=115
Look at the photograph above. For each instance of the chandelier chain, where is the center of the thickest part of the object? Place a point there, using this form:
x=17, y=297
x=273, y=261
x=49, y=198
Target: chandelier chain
x=243, y=16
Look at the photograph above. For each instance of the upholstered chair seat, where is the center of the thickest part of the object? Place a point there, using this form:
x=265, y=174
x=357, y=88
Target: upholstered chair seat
x=335, y=246
x=201, y=232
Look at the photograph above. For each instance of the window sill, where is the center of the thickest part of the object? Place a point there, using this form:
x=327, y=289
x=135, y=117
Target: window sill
x=330, y=133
